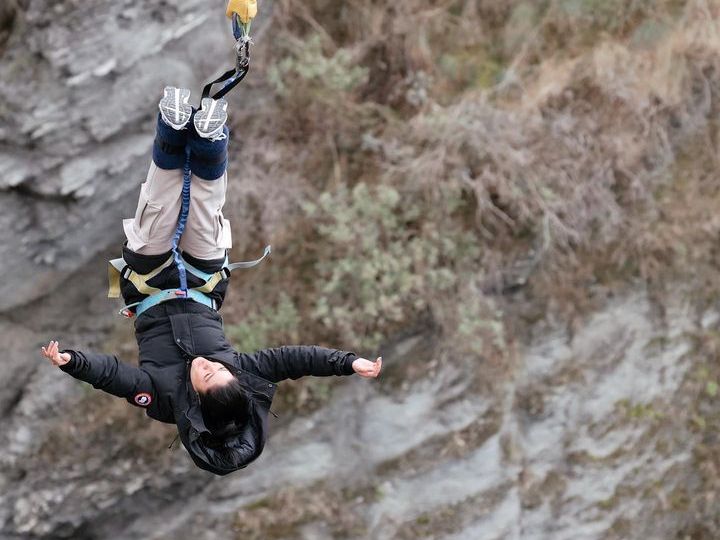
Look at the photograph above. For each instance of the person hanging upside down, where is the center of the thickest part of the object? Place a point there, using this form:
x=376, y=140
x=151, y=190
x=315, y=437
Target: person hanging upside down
x=189, y=374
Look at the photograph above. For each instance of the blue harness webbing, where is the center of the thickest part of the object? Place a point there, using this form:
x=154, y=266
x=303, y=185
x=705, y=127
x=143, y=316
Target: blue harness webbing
x=182, y=222
x=172, y=294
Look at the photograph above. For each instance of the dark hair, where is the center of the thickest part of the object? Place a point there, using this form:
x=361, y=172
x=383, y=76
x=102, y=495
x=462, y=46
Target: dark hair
x=225, y=408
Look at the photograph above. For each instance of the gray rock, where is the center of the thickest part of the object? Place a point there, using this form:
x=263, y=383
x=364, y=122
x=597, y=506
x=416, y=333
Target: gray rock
x=74, y=149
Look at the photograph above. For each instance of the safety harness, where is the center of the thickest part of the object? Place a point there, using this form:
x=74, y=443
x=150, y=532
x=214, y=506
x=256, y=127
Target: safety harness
x=118, y=268
x=241, y=12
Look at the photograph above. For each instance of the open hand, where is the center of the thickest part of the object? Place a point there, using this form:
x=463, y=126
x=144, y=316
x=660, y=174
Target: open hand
x=367, y=368
x=52, y=353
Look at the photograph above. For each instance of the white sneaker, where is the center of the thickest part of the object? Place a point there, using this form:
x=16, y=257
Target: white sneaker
x=211, y=118
x=175, y=108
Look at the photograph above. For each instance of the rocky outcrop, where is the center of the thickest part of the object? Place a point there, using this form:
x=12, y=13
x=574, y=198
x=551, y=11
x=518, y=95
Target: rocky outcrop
x=588, y=435
x=586, y=439
x=78, y=84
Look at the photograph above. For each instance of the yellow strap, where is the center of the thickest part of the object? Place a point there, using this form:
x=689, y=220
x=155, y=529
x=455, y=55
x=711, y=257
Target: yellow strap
x=140, y=280
x=246, y=9
x=114, y=281
x=211, y=283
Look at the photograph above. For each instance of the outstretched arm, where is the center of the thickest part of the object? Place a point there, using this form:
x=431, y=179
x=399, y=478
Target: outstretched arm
x=105, y=373
x=294, y=362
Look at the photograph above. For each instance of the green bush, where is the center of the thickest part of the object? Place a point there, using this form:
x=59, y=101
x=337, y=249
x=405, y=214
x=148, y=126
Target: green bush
x=383, y=264
x=308, y=65
x=272, y=326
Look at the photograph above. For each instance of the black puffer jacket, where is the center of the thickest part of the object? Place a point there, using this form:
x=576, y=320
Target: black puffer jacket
x=169, y=336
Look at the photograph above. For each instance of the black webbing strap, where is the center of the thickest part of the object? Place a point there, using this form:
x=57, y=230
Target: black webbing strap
x=232, y=77
x=240, y=75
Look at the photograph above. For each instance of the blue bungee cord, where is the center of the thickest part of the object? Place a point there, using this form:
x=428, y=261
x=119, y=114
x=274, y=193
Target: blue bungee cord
x=182, y=222
x=231, y=79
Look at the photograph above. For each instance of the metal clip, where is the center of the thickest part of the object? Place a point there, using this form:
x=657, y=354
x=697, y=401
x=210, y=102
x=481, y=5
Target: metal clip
x=242, y=50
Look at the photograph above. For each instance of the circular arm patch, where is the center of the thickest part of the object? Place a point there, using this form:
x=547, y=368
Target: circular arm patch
x=143, y=399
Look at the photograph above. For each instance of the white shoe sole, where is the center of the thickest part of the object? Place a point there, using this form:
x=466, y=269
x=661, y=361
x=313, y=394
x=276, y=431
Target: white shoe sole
x=211, y=118
x=175, y=107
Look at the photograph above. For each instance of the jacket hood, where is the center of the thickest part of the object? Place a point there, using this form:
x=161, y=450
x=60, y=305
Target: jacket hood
x=232, y=452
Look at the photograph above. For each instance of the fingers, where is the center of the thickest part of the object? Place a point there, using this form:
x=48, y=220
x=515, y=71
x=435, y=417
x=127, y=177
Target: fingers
x=47, y=351
x=370, y=369
x=51, y=352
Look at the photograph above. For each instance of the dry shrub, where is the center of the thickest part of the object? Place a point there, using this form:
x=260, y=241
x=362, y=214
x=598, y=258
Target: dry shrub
x=577, y=173
x=586, y=169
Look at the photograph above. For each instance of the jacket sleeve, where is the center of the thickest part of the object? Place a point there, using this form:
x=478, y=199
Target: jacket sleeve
x=107, y=373
x=294, y=362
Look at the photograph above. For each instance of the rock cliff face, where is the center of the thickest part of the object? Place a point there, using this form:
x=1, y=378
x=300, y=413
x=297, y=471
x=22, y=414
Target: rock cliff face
x=589, y=436
x=77, y=86
x=587, y=439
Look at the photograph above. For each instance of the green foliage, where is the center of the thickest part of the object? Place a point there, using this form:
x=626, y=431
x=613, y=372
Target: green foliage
x=382, y=263
x=304, y=396
x=308, y=65
x=639, y=411
x=546, y=185
x=269, y=327
x=480, y=326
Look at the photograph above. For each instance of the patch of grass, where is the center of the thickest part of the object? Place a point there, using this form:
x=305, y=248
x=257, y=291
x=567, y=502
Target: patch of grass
x=639, y=411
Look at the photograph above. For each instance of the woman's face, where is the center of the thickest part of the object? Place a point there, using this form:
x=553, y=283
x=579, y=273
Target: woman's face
x=205, y=375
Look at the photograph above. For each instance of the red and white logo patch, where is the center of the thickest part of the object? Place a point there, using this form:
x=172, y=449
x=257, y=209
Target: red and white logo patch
x=143, y=399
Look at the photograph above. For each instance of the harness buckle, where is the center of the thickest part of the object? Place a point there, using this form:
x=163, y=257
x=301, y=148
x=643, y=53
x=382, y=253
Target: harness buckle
x=181, y=293
x=127, y=313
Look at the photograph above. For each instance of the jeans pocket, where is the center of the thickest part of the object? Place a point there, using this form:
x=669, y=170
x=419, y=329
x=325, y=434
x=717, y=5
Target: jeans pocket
x=223, y=233
x=146, y=216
